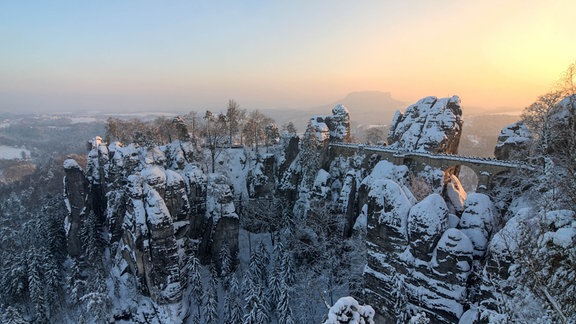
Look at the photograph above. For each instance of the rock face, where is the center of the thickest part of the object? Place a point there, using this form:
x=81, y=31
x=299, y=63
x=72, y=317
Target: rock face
x=432, y=124
x=454, y=195
x=335, y=128
x=415, y=257
x=513, y=142
x=552, y=234
x=339, y=124
x=159, y=207
x=478, y=221
x=75, y=193
x=426, y=222
x=221, y=212
x=261, y=178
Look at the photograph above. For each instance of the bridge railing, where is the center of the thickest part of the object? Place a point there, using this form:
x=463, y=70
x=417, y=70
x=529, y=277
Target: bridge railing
x=452, y=157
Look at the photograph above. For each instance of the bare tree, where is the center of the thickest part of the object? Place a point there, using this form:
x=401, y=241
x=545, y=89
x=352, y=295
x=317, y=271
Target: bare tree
x=254, y=128
x=235, y=117
x=215, y=134
x=272, y=134
x=537, y=118
x=290, y=128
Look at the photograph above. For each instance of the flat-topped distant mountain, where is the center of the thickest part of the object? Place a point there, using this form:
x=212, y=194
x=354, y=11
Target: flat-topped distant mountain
x=366, y=108
x=371, y=107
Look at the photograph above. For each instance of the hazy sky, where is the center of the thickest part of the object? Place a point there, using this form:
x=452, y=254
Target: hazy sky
x=184, y=55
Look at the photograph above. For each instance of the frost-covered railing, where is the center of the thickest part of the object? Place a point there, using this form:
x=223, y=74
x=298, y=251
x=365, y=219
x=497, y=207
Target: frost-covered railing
x=512, y=164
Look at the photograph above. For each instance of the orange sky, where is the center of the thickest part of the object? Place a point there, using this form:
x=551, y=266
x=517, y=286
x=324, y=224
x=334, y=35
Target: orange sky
x=70, y=55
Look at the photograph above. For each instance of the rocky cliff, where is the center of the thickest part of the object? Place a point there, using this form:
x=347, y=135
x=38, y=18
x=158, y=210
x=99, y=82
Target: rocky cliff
x=513, y=142
x=335, y=127
x=159, y=207
x=417, y=258
x=431, y=124
x=75, y=193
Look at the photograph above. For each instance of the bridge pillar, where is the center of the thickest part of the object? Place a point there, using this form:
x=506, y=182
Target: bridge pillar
x=484, y=180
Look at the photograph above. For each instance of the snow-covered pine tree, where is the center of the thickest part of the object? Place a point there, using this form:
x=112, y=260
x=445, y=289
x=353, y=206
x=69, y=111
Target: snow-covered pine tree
x=255, y=267
x=37, y=285
x=262, y=262
x=284, y=310
x=288, y=271
x=276, y=280
x=96, y=300
x=255, y=309
x=12, y=315
x=228, y=305
x=232, y=308
x=401, y=304
x=196, y=319
x=211, y=306
x=274, y=284
x=53, y=277
x=92, y=240
x=14, y=279
x=51, y=230
x=196, y=284
x=76, y=284
x=225, y=266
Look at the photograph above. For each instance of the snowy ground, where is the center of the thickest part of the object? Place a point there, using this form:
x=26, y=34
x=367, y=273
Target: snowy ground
x=12, y=153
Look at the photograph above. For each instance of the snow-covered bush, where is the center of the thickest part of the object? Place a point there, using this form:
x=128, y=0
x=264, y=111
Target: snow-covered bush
x=348, y=310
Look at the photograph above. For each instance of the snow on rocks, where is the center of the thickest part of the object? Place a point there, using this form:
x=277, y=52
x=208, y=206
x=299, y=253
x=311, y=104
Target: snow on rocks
x=75, y=196
x=432, y=125
x=71, y=164
x=348, y=310
x=561, y=228
x=559, y=218
x=134, y=186
x=508, y=239
x=513, y=142
x=413, y=245
x=318, y=128
x=426, y=222
x=455, y=195
x=156, y=200
x=155, y=177
x=219, y=199
x=320, y=188
x=339, y=124
x=453, y=255
x=153, y=156
x=335, y=128
x=387, y=170
x=390, y=204
x=158, y=214
x=478, y=221
x=564, y=237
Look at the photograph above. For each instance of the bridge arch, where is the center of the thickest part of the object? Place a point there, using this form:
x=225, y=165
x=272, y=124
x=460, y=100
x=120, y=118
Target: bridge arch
x=468, y=179
x=485, y=169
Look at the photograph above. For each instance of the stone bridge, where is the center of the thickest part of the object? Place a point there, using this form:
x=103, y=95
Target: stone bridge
x=485, y=168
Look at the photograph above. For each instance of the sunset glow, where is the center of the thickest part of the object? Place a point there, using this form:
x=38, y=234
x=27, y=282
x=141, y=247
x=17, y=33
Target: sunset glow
x=182, y=55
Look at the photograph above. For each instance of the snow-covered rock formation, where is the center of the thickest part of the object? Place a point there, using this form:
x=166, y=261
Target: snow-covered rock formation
x=158, y=205
x=335, y=128
x=431, y=124
x=415, y=259
x=75, y=195
x=513, y=142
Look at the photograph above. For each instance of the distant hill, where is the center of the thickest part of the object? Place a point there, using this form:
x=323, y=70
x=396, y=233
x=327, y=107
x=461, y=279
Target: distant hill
x=366, y=108
x=371, y=107
x=378, y=108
